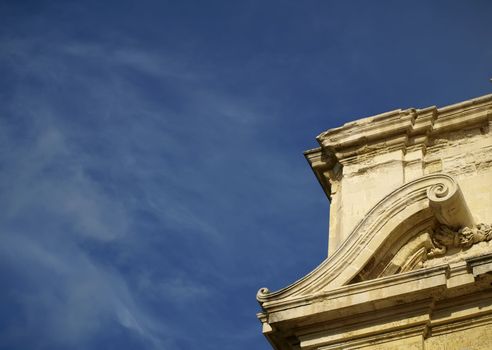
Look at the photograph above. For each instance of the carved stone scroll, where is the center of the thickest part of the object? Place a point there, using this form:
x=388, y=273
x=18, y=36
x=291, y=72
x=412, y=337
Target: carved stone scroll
x=449, y=206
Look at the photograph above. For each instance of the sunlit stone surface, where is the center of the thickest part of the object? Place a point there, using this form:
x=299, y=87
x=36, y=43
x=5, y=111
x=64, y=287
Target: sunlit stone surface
x=410, y=240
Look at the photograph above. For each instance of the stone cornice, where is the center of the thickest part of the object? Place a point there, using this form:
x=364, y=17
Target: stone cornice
x=357, y=294
x=408, y=123
x=428, y=286
x=399, y=129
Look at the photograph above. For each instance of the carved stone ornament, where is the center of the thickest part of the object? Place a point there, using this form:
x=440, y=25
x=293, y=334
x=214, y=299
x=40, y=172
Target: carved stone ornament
x=445, y=238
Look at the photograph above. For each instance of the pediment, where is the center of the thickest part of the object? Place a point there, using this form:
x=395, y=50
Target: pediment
x=419, y=225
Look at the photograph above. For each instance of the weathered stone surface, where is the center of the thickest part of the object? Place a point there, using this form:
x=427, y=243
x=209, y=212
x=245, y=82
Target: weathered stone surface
x=410, y=241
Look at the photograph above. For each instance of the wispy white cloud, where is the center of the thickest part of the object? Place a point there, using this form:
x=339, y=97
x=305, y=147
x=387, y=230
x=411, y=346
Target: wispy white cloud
x=180, y=289
x=74, y=298
x=43, y=175
x=79, y=173
x=144, y=61
x=54, y=207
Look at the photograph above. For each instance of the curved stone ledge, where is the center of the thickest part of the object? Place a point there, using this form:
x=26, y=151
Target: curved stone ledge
x=400, y=210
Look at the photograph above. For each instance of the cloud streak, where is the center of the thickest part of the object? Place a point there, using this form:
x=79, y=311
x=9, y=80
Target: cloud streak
x=77, y=189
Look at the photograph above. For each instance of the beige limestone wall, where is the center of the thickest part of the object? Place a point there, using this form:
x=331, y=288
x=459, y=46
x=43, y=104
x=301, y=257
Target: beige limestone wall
x=470, y=338
x=362, y=186
x=411, y=343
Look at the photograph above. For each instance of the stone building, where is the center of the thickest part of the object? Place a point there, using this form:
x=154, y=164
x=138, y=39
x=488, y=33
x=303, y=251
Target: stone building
x=410, y=240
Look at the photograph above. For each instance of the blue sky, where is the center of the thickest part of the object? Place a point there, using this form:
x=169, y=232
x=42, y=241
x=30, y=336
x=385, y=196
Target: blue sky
x=151, y=168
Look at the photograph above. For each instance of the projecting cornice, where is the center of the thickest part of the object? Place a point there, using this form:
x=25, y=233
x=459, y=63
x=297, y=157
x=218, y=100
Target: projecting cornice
x=399, y=129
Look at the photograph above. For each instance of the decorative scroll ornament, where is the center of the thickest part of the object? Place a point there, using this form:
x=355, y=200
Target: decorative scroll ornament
x=445, y=238
x=449, y=205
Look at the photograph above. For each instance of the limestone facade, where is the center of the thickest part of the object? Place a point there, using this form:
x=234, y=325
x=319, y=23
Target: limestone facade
x=409, y=261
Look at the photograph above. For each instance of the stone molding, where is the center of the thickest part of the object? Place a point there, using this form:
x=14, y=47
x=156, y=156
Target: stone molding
x=417, y=302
